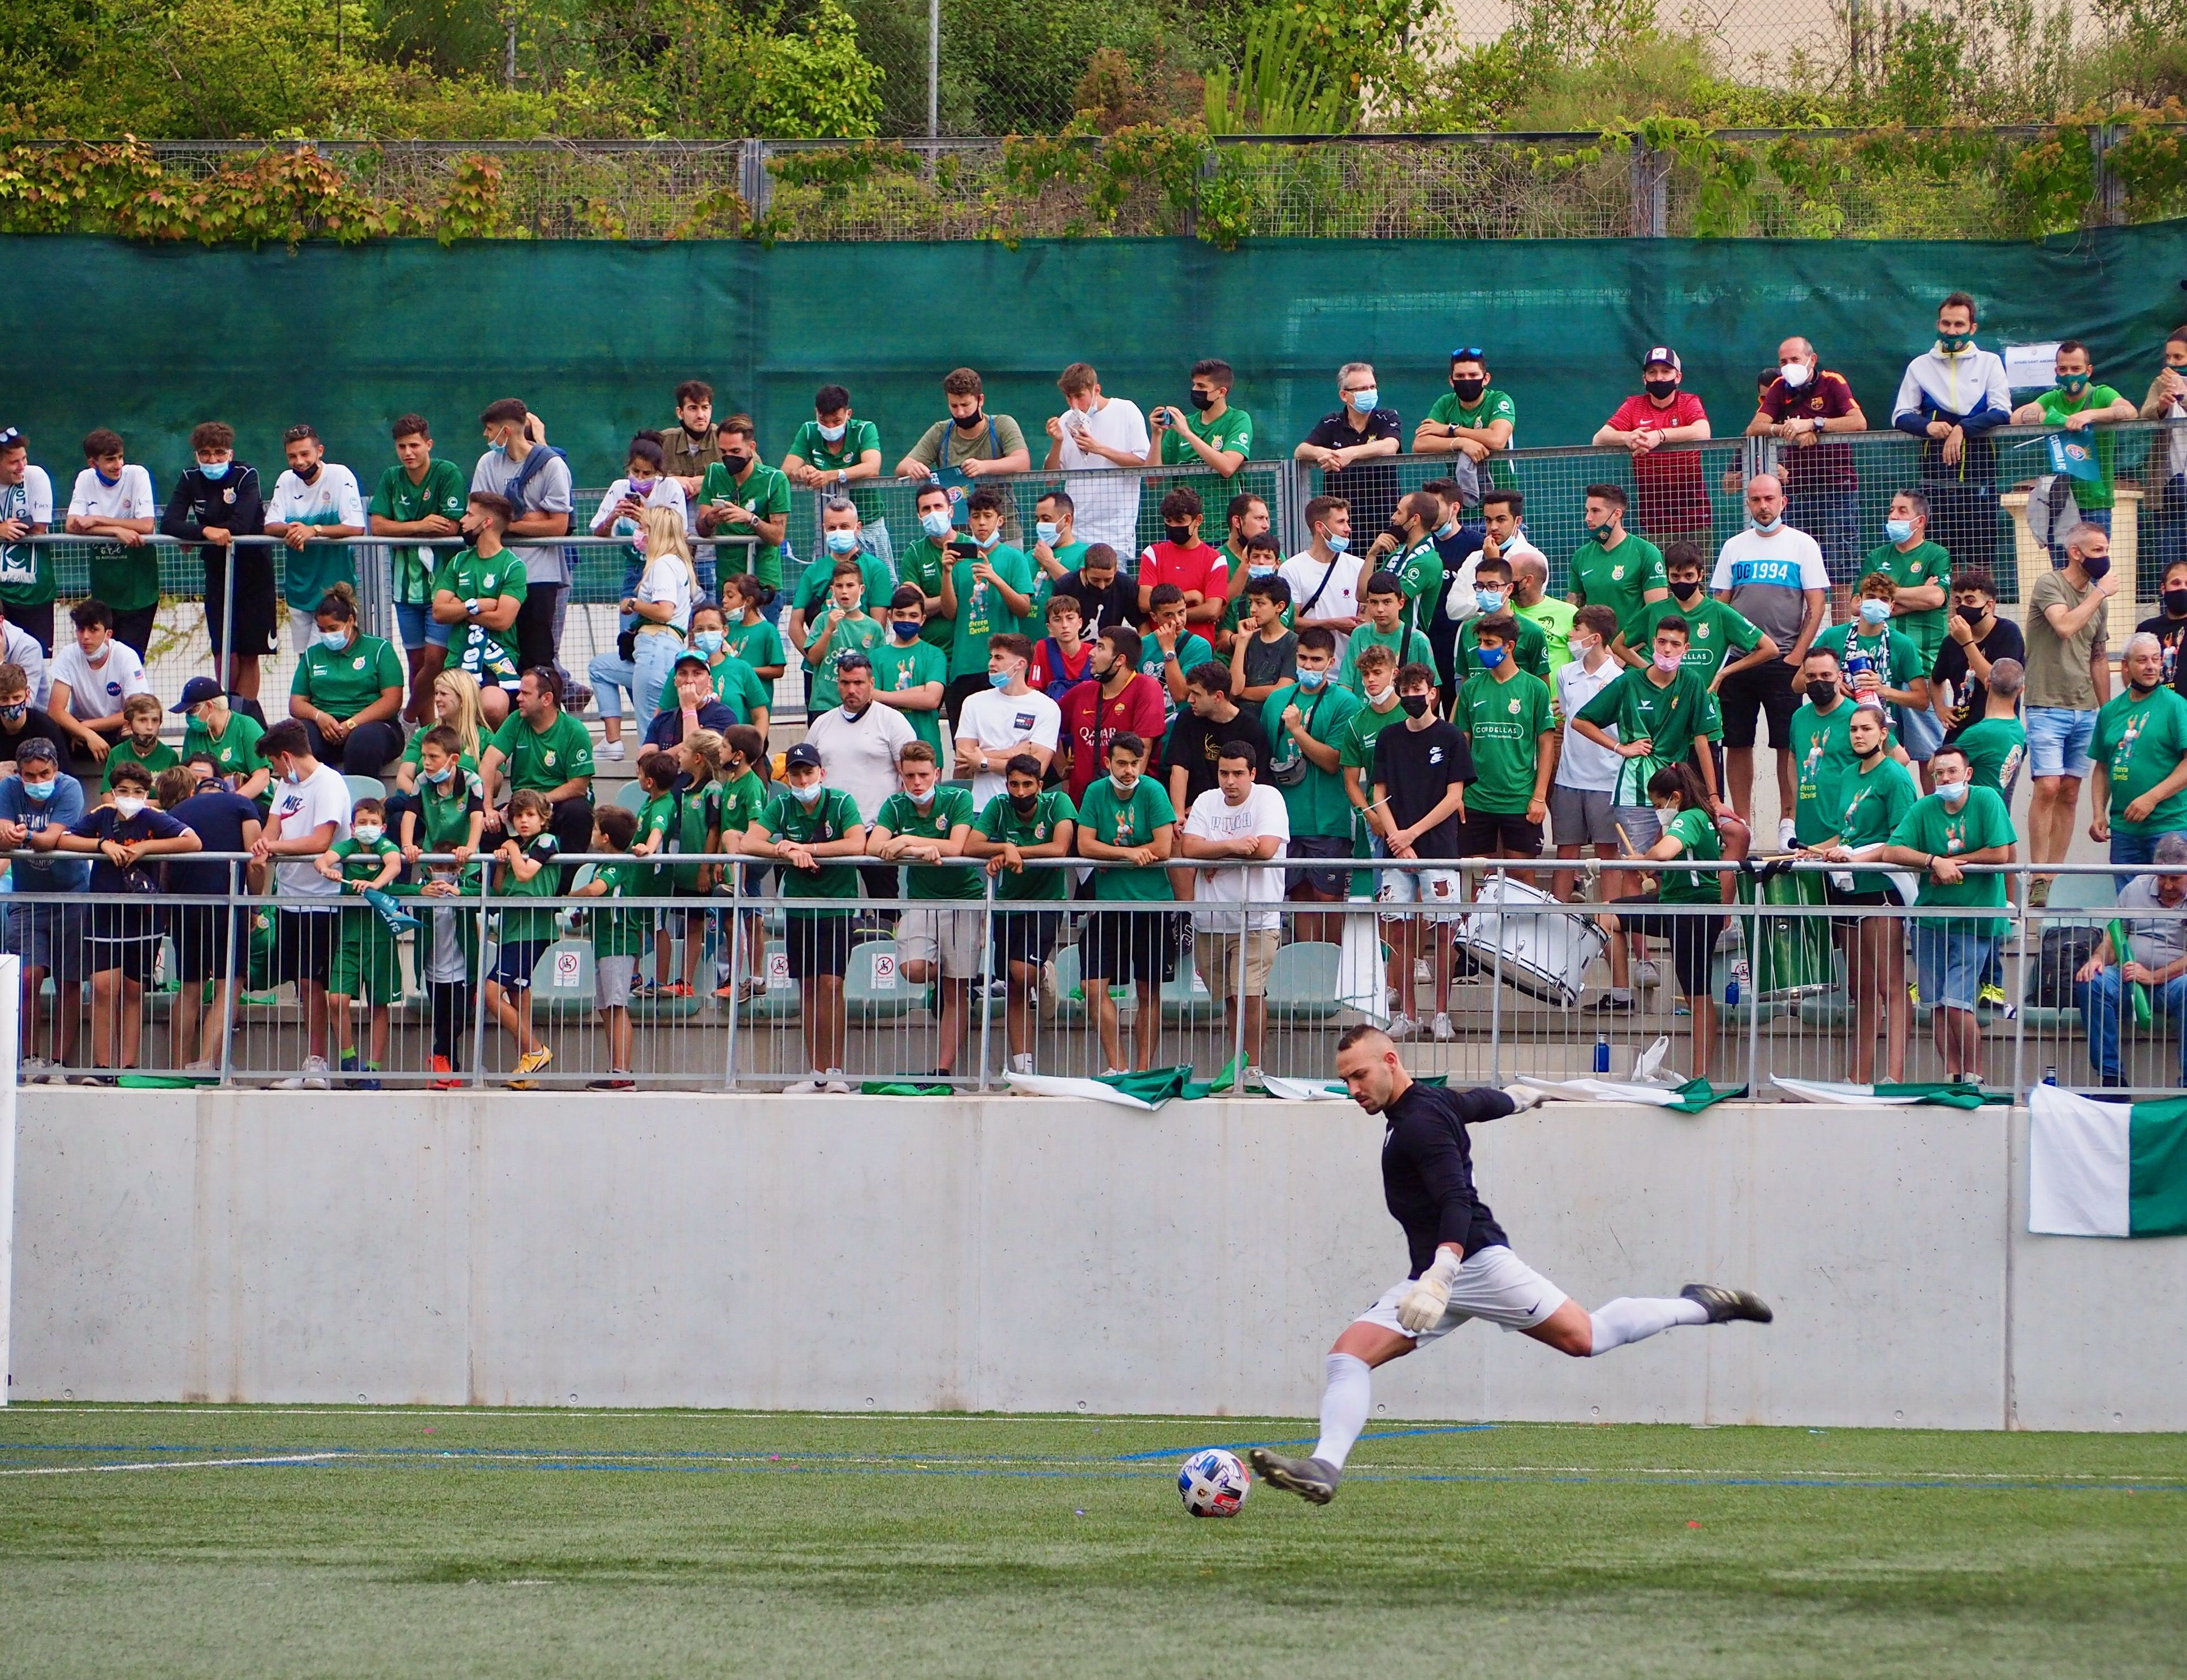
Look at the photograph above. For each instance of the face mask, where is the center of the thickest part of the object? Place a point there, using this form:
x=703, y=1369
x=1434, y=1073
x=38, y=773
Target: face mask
x=639, y=487
x=39, y=792
x=1668, y=664
x=935, y=525
x=1686, y=591
x=1123, y=785
x=1023, y=804
x=1178, y=535
x=1491, y=600
x=2141, y=687
x=2073, y=384
x=971, y=422
x=12, y=714
x=366, y=834
x=309, y=475
x=1898, y=531
x=108, y=482
x=1874, y=751
x=1953, y=794
x=499, y=445
x=334, y=640
x=1365, y=402
x=736, y=464
x=1046, y=531
x=849, y=714
x=1952, y=343
x=1415, y=705
x=1260, y=571
x=1203, y=399
x=922, y=801
x=215, y=471
x=834, y=434
x=906, y=629
x=1338, y=542
x=1312, y=680
x=2175, y=603
x=1001, y=679
x=708, y=641
x=842, y=542
x=439, y=778
x=1874, y=612
x=1448, y=529
x=1823, y=696
x=1491, y=658
x=2096, y=565
x=1969, y=614
x=1600, y=533
x=1793, y=374
x=292, y=776
x=1469, y=390
x=807, y=795
x=127, y=805
x=1376, y=697
x=1775, y=522
x=1660, y=389
x=1581, y=649
x=1666, y=814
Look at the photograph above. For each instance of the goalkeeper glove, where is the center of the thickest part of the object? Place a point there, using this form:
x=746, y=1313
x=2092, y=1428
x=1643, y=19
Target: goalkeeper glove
x=1429, y=1298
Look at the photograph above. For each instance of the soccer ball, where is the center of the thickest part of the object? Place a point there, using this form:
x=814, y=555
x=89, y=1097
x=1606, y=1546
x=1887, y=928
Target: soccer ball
x=1213, y=1483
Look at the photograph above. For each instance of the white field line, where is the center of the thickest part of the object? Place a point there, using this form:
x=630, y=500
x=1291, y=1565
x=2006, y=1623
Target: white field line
x=178, y=1464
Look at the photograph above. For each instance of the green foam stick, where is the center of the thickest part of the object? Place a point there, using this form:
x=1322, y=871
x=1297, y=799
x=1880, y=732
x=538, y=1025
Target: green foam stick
x=2123, y=950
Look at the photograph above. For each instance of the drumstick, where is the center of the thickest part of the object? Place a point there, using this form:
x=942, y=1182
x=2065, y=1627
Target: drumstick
x=1631, y=849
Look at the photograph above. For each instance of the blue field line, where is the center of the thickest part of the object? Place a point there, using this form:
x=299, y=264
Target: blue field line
x=1304, y=1440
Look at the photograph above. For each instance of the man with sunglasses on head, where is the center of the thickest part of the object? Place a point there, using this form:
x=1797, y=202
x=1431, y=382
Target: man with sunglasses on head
x=1475, y=420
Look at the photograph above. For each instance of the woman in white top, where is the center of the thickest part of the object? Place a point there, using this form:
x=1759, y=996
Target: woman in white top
x=658, y=605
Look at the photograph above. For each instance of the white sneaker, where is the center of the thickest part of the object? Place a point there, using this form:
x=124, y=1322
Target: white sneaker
x=1021, y=1064
x=1785, y=829
x=1727, y=941
x=312, y=1078
x=1441, y=1028
x=806, y=1088
x=1645, y=973
x=610, y=750
x=1115, y=1072
x=202, y=1064
x=1402, y=1026
x=835, y=1085
x=1422, y=974
x=33, y=1071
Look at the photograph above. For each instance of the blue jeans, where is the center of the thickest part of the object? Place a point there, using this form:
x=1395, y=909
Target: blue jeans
x=875, y=539
x=2132, y=849
x=1949, y=960
x=1832, y=518
x=2102, y=1007
x=414, y=623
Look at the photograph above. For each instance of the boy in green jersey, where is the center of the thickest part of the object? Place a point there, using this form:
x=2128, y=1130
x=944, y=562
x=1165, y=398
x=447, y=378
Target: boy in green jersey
x=1623, y=572
x=1127, y=825
x=836, y=454
x=140, y=742
x=845, y=628
x=524, y=871
x=1492, y=588
x=476, y=594
x=618, y=938
x=1215, y=435
x=1307, y=721
x=1503, y=712
x=987, y=592
x=1024, y=821
x=807, y=827
x=910, y=673
x=743, y=796
x=939, y=938
x=1996, y=743
x=1822, y=753
x=2079, y=405
x=1878, y=660
x=365, y=963
x=1475, y=420
x=1384, y=597
x=923, y=563
x=418, y=497
x=1720, y=639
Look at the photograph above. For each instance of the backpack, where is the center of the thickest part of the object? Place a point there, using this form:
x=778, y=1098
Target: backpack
x=2064, y=949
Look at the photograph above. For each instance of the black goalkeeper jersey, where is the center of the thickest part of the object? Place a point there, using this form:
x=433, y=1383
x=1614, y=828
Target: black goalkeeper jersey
x=1427, y=1169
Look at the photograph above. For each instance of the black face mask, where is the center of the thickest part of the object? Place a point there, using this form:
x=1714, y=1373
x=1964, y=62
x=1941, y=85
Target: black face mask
x=1203, y=399
x=1686, y=591
x=1023, y=804
x=971, y=422
x=1397, y=533
x=1415, y=705
x=2142, y=688
x=2175, y=604
x=736, y=464
x=311, y=475
x=1469, y=390
x=1660, y=389
x=1975, y=615
x=1180, y=535
x=1873, y=752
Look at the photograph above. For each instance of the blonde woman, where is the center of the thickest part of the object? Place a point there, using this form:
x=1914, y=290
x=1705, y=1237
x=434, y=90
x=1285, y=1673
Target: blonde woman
x=456, y=704
x=660, y=606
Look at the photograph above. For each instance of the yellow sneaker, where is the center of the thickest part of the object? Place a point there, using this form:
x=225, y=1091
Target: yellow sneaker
x=533, y=1061
x=1991, y=994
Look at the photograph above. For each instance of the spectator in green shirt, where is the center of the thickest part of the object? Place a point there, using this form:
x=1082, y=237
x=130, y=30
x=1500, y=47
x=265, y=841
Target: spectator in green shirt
x=1617, y=569
x=1475, y=420
x=910, y=673
x=1127, y=825
x=923, y=563
x=618, y=937
x=2138, y=773
x=2076, y=404
x=525, y=868
x=541, y=747
x=419, y=497
x=1056, y=551
x=1024, y=823
x=924, y=825
x=987, y=592
x=1217, y=436
x=837, y=452
x=348, y=690
x=742, y=496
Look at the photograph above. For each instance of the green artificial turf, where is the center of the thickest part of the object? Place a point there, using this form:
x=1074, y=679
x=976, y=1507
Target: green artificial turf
x=578, y=1543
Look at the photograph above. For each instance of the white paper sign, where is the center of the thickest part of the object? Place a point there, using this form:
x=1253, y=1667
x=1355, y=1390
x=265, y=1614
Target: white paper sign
x=2031, y=366
x=565, y=971
x=883, y=971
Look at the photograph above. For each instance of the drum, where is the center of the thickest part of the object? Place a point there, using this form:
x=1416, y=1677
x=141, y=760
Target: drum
x=1542, y=947
x=1790, y=954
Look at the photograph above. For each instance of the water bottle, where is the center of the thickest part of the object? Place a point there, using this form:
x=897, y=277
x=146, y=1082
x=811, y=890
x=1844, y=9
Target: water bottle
x=1602, y=1053
x=1741, y=977
x=2050, y=1074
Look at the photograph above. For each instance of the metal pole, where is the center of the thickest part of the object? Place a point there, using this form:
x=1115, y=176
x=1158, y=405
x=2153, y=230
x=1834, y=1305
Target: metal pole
x=736, y=972
x=1496, y=994
x=1238, y=995
x=933, y=68
x=11, y=1001
x=1751, y=934
x=236, y=982
x=227, y=659
x=2019, y=999
x=987, y=978
x=478, y=999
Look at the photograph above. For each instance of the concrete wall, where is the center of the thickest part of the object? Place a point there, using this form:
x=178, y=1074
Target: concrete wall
x=1023, y=1254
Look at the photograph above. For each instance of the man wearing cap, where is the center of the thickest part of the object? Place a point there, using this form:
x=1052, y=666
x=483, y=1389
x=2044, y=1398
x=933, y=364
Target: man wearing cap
x=697, y=705
x=1673, y=497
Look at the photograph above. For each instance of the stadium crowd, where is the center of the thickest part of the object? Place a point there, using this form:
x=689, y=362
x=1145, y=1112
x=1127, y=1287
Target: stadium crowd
x=1201, y=720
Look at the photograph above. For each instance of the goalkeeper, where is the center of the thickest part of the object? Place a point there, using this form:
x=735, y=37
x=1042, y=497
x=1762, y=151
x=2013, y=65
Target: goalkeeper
x=1462, y=1266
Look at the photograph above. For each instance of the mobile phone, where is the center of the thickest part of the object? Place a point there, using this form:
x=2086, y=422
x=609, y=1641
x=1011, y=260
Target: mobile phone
x=965, y=549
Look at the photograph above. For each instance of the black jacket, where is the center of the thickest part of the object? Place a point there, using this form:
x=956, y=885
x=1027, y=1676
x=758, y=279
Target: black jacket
x=1427, y=1169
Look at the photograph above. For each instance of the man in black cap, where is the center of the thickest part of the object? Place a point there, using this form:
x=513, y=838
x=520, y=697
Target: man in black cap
x=697, y=705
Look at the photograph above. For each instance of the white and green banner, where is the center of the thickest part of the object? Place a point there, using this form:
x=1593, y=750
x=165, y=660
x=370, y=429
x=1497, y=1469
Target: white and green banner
x=2105, y=1169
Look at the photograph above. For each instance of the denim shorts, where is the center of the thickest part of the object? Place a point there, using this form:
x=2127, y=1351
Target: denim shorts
x=413, y=621
x=2058, y=740
x=1949, y=959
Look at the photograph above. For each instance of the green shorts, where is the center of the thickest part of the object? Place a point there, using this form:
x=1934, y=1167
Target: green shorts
x=366, y=964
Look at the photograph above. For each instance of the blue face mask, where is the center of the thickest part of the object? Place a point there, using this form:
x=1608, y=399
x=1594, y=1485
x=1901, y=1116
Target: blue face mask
x=1490, y=657
x=1046, y=531
x=1364, y=401
x=439, y=778
x=1898, y=531
x=1312, y=680
x=333, y=641
x=1260, y=571
x=809, y=795
x=215, y=471
x=707, y=642
x=935, y=525
x=842, y=542
x=999, y=679
x=108, y=482
x=39, y=792
x=1767, y=526
x=906, y=629
x=1876, y=612
x=1338, y=543
x=1491, y=600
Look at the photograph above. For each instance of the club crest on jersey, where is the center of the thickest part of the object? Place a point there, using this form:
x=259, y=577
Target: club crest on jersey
x=1514, y=708
x=1617, y=573
x=1702, y=631
x=549, y=758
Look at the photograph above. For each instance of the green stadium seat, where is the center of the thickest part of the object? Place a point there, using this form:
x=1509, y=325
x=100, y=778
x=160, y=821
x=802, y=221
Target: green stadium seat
x=1302, y=981
x=875, y=988
x=365, y=787
x=560, y=986
x=631, y=796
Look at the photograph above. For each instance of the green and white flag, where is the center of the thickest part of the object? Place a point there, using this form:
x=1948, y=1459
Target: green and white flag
x=2104, y=1169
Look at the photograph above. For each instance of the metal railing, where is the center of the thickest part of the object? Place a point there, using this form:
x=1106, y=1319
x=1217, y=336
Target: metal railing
x=1512, y=974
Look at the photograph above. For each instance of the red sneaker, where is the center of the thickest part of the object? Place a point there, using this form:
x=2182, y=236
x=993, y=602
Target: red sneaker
x=442, y=1065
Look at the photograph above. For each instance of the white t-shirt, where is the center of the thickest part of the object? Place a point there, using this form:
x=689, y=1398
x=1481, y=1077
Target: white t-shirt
x=667, y=578
x=1213, y=817
x=98, y=691
x=1304, y=573
x=299, y=807
x=128, y=497
x=32, y=502
x=1582, y=763
x=666, y=492
x=1460, y=602
x=996, y=720
x=1107, y=496
x=1765, y=576
x=19, y=647
x=860, y=757
x=329, y=499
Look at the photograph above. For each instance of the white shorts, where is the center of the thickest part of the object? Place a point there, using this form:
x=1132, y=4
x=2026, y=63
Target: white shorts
x=1428, y=887
x=1494, y=1283
x=944, y=933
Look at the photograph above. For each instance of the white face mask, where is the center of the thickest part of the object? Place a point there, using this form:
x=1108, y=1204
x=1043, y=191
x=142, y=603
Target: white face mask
x=128, y=805
x=1376, y=697
x=1793, y=374
x=366, y=834
x=1123, y=785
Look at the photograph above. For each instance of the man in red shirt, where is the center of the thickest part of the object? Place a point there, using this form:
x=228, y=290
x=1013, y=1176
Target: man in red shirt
x=1671, y=497
x=1121, y=700
x=1822, y=490
x=1197, y=568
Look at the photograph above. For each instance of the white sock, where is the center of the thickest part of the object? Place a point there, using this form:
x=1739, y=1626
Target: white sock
x=1343, y=1407
x=1635, y=1318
